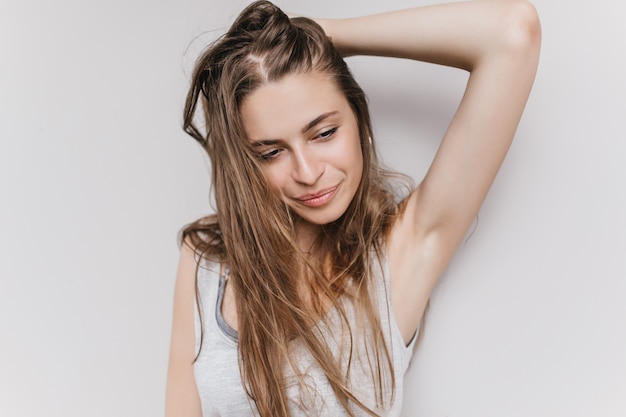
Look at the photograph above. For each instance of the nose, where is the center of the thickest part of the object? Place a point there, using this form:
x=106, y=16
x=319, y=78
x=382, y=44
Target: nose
x=307, y=166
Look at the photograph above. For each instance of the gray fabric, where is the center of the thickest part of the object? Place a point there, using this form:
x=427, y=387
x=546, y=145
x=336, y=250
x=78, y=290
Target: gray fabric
x=217, y=368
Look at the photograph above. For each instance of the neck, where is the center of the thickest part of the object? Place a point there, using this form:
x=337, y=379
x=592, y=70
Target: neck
x=307, y=235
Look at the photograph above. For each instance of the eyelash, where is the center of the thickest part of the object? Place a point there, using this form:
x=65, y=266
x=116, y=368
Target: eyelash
x=325, y=135
x=270, y=155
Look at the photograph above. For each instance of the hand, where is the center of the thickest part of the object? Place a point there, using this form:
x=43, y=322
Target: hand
x=324, y=23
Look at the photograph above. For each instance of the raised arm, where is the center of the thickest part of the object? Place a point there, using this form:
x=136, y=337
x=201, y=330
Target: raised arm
x=498, y=42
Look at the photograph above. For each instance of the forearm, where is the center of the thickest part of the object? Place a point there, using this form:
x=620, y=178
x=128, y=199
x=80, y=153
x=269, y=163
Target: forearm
x=454, y=34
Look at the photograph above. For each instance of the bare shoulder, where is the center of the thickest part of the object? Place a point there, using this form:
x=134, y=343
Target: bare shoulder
x=182, y=396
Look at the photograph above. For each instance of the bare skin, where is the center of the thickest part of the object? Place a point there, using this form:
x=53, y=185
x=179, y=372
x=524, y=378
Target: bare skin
x=498, y=42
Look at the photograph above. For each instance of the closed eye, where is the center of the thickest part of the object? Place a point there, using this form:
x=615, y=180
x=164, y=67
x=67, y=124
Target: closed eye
x=326, y=134
x=271, y=154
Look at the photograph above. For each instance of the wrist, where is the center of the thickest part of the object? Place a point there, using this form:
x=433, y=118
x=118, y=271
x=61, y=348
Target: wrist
x=326, y=24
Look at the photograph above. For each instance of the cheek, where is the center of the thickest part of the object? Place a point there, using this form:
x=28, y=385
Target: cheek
x=274, y=178
x=352, y=155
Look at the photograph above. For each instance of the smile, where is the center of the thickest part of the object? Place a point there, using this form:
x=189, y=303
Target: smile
x=318, y=199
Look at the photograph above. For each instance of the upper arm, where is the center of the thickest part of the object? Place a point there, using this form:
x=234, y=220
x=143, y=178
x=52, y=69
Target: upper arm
x=481, y=130
x=182, y=396
x=441, y=209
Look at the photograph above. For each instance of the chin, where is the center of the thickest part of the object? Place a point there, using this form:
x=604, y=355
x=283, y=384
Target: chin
x=321, y=216
x=320, y=219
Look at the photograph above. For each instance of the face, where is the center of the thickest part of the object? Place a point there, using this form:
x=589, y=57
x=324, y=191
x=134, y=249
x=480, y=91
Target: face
x=307, y=139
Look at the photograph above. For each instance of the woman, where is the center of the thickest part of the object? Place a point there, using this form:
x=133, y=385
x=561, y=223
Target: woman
x=303, y=294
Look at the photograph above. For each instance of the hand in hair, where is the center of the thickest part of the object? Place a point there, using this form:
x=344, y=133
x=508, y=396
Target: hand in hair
x=498, y=42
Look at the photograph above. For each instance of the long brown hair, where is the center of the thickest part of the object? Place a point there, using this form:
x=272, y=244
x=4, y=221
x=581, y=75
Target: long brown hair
x=253, y=231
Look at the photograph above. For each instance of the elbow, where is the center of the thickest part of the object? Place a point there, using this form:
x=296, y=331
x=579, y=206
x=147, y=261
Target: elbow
x=522, y=28
x=514, y=36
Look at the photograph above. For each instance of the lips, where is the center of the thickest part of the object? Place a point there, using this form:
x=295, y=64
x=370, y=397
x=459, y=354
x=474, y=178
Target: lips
x=318, y=199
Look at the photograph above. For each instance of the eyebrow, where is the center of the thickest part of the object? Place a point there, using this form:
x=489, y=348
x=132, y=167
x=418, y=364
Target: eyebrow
x=305, y=129
x=317, y=120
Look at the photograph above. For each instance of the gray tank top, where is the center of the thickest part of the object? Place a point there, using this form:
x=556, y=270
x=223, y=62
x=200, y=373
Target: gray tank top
x=217, y=368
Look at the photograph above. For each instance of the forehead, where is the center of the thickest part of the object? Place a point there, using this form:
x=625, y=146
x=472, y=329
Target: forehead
x=282, y=108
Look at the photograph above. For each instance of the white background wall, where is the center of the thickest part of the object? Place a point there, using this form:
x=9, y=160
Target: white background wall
x=96, y=179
